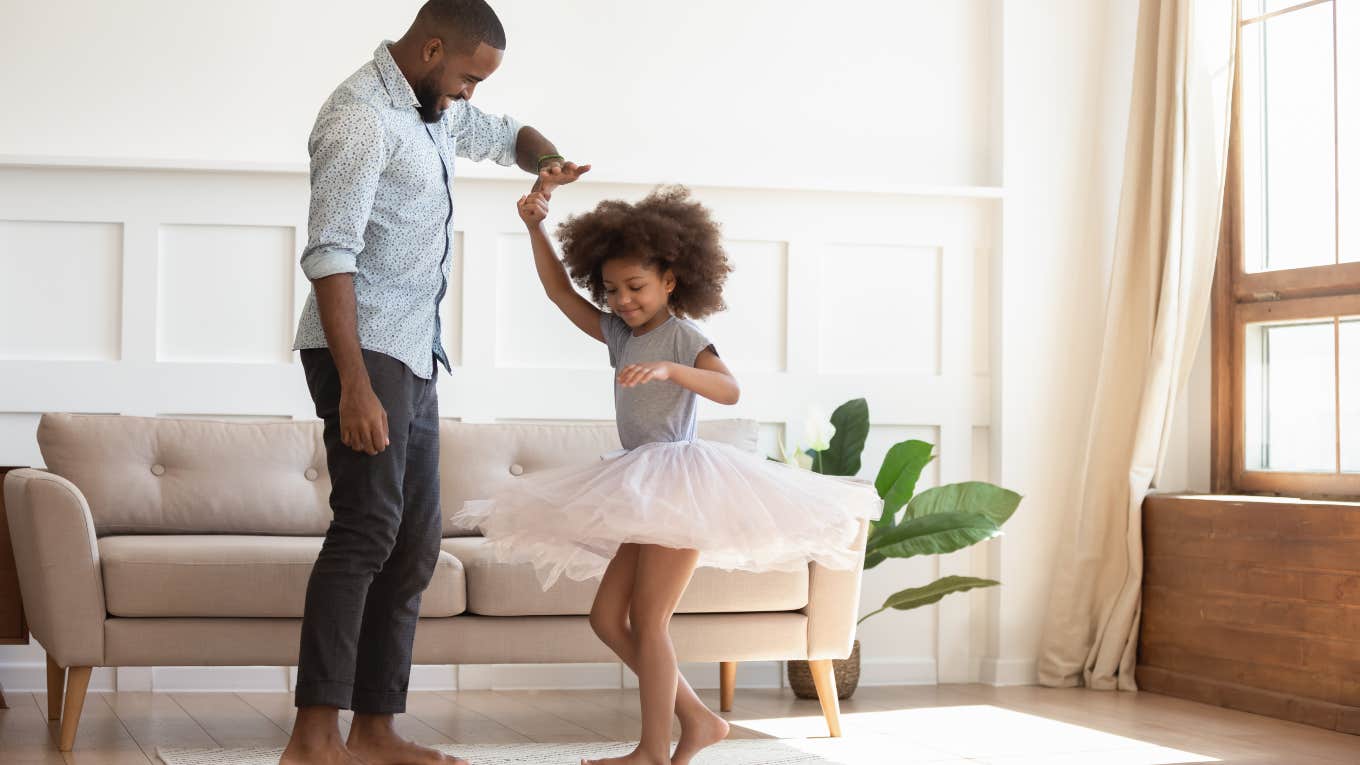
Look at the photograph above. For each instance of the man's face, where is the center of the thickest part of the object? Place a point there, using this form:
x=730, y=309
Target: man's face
x=453, y=77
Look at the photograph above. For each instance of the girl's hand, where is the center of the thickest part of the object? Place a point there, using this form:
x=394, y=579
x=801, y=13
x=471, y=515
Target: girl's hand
x=637, y=374
x=533, y=208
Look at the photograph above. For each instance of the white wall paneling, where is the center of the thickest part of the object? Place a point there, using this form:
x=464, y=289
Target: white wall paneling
x=63, y=286
x=834, y=296
x=225, y=294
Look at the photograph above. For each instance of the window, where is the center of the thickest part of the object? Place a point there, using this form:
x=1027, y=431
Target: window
x=1286, y=314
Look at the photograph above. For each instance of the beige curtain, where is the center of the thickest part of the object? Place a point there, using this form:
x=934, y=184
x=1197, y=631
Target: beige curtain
x=1165, y=248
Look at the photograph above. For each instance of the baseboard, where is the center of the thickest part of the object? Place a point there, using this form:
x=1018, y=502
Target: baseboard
x=1009, y=671
x=703, y=675
x=29, y=677
x=32, y=677
x=537, y=676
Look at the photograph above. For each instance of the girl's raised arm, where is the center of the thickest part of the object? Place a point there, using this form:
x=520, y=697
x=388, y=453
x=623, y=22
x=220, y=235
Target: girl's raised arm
x=533, y=209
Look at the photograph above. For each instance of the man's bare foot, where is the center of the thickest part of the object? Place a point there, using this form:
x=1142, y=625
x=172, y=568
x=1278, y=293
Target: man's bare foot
x=377, y=743
x=702, y=730
x=635, y=757
x=401, y=752
x=316, y=739
x=335, y=754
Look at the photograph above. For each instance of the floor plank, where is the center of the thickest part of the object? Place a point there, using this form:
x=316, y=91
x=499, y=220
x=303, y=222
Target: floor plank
x=461, y=724
x=917, y=724
x=531, y=722
x=155, y=720
x=102, y=738
x=24, y=736
x=230, y=721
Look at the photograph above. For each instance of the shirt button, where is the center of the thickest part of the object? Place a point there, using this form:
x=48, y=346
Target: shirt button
x=157, y=469
x=310, y=474
x=516, y=469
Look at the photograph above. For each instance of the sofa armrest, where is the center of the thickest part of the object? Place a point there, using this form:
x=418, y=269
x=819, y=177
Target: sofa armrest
x=833, y=606
x=57, y=557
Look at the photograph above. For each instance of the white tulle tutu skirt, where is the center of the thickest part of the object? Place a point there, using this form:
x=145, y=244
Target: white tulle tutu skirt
x=740, y=511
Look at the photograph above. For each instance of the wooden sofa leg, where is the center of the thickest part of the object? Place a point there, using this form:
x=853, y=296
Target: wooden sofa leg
x=824, y=677
x=727, y=684
x=56, y=688
x=77, y=682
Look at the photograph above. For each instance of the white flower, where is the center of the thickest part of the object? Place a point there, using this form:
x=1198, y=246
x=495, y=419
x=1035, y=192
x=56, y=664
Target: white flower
x=818, y=430
x=794, y=456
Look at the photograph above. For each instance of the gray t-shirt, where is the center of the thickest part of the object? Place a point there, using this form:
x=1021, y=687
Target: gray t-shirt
x=654, y=411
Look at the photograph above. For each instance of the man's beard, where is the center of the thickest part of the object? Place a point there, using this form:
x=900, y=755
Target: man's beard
x=427, y=93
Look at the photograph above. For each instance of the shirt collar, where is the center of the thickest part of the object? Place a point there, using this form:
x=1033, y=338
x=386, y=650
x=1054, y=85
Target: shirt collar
x=393, y=80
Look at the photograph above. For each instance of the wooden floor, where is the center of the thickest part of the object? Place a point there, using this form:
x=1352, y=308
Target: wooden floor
x=939, y=724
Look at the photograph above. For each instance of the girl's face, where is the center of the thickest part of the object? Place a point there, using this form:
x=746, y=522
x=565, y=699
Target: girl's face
x=637, y=293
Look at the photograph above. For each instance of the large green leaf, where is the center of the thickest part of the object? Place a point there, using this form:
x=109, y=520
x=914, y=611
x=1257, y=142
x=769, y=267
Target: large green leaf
x=896, y=482
x=852, y=429
x=933, y=535
x=987, y=499
x=915, y=597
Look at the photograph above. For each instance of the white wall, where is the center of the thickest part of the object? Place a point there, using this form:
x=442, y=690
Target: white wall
x=1067, y=68
x=755, y=92
x=854, y=165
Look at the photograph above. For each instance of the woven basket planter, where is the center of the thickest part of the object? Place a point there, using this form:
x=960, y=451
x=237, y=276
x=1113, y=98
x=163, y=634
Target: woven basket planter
x=846, y=671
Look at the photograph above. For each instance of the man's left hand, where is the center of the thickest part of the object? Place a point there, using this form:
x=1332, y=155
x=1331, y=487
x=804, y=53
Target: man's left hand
x=556, y=173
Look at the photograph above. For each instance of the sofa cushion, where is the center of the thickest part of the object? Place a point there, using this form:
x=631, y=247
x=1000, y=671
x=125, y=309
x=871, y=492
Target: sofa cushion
x=477, y=459
x=156, y=475
x=505, y=589
x=222, y=576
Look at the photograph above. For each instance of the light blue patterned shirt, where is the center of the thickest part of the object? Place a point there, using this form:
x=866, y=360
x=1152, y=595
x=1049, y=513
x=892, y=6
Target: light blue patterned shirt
x=382, y=207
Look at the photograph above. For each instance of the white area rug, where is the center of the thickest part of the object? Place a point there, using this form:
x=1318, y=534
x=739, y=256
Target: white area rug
x=739, y=752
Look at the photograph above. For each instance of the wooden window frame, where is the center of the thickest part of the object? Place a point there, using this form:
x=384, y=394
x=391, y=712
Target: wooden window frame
x=1241, y=298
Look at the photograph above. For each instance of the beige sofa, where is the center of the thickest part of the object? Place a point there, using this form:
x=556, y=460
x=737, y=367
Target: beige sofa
x=161, y=542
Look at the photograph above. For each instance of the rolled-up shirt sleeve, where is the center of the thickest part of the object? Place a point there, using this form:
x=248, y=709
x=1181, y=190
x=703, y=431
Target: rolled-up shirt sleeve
x=478, y=135
x=348, y=152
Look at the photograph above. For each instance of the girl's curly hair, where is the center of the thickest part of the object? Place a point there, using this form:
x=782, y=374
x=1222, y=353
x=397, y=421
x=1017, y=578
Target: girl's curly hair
x=667, y=229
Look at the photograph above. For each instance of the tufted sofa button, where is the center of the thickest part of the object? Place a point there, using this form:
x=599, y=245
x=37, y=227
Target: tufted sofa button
x=310, y=474
x=517, y=469
x=158, y=469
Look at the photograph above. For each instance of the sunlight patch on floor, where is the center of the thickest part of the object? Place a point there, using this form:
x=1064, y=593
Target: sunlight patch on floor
x=981, y=733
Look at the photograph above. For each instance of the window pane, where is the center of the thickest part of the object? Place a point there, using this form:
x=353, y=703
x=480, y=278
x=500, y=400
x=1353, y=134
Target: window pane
x=1252, y=8
x=1290, y=397
x=1288, y=162
x=1348, y=126
x=1350, y=395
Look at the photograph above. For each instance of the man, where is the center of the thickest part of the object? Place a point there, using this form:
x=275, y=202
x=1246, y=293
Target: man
x=382, y=161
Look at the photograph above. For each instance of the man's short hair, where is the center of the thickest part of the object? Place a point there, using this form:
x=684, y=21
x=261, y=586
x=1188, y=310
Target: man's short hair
x=463, y=24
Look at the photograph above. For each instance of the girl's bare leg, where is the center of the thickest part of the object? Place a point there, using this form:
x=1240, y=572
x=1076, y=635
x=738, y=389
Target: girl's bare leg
x=699, y=726
x=661, y=576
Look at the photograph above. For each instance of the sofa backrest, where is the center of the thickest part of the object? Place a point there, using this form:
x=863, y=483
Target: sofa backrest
x=153, y=475
x=477, y=459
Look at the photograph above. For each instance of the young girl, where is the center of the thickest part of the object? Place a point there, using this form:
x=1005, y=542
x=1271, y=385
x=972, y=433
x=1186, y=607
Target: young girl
x=643, y=520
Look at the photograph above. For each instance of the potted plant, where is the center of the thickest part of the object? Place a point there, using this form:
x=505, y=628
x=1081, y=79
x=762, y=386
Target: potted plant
x=936, y=521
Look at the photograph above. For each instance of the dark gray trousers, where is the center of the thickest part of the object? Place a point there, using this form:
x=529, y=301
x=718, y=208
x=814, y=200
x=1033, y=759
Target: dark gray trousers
x=363, y=598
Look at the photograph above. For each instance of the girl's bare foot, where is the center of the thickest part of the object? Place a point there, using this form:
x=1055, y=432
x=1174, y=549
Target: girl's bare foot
x=697, y=732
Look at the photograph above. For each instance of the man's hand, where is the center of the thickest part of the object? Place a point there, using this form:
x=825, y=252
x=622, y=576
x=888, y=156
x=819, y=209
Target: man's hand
x=556, y=172
x=363, y=421
x=533, y=209
x=637, y=374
